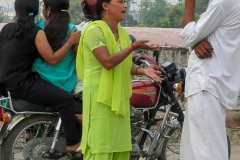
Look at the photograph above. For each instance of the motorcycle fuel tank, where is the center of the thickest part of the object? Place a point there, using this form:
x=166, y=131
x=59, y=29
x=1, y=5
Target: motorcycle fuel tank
x=144, y=94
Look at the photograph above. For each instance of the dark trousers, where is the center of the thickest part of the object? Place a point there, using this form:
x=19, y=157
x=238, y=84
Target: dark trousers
x=39, y=91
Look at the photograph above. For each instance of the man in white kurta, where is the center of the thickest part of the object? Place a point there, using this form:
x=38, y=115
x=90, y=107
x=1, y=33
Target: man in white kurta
x=213, y=83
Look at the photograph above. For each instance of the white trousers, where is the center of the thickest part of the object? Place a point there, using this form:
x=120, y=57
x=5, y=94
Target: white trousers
x=204, y=133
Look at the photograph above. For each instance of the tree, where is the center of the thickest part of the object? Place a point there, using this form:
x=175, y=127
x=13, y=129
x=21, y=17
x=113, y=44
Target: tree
x=201, y=6
x=76, y=12
x=130, y=21
x=161, y=14
x=174, y=17
x=5, y=19
x=150, y=13
x=1, y=15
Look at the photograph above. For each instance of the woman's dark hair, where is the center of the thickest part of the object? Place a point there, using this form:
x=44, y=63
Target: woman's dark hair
x=26, y=10
x=57, y=28
x=99, y=8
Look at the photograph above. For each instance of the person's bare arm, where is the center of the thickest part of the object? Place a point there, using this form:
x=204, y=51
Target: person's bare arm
x=189, y=12
x=46, y=51
x=109, y=61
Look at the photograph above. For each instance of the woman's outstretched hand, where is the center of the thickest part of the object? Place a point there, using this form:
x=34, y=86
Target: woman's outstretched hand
x=142, y=44
x=153, y=74
x=156, y=67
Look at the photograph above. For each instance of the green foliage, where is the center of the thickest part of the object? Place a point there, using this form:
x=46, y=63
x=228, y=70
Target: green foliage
x=161, y=14
x=150, y=13
x=76, y=12
x=5, y=19
x=173, y=19
x=1, y=17
x=129, y=22
x=201, y=6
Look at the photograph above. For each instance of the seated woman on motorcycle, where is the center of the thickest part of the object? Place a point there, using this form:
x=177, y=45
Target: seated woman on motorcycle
x=57, y=28
x=104, y=63
x=20, y=43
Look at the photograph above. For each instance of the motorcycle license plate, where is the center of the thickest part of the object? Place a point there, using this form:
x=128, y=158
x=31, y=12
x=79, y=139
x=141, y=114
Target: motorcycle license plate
x=1, y=125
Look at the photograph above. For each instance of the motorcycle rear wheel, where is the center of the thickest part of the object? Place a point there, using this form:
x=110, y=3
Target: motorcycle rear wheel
x=31, y=137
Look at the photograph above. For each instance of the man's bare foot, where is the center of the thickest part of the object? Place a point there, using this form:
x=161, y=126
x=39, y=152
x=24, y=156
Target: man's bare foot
x=74, y=148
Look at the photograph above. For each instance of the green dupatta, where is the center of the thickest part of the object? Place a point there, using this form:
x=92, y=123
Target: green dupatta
x=115, y=86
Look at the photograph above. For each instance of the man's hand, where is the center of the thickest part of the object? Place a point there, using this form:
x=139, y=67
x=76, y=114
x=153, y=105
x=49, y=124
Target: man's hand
x=203, y=49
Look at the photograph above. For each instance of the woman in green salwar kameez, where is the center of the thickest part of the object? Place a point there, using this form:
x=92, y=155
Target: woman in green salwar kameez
x=104, y=63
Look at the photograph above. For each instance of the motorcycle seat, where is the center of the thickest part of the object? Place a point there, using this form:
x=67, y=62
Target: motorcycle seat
x=25, y=106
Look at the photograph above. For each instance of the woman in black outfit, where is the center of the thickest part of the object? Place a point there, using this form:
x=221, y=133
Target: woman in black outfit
x=20, y=43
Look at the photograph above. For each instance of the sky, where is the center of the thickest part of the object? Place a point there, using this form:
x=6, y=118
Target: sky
x=5, y=3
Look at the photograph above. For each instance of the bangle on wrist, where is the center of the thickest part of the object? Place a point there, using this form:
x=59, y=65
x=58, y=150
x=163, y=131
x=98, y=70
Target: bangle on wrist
x=133, y=47
x=67, y=44
x=137, y=72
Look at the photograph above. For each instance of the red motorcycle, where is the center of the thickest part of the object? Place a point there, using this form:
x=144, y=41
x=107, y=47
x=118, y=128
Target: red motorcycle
x=30, y=131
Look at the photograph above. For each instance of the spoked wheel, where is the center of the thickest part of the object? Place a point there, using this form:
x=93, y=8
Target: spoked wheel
x=171, y=147
x=32, y=137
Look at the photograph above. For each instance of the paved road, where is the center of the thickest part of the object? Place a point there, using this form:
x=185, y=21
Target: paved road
x=235, y=153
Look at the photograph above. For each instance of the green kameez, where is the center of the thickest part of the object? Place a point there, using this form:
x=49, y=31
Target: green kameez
x=106, y=129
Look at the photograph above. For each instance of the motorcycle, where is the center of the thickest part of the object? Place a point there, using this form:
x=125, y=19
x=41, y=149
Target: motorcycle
x=34, y=132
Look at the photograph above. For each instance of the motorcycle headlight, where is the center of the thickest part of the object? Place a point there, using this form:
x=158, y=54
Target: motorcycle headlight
x=180, y=75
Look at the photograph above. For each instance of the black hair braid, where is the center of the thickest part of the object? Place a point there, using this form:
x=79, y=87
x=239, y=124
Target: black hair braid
x=26, y=10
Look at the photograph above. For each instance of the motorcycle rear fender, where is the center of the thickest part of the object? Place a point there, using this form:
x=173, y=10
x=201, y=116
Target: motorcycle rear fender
x=7, y=127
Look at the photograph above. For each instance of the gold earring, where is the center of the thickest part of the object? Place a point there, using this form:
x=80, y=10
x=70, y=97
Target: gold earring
x=106, y=10
x=48, y=13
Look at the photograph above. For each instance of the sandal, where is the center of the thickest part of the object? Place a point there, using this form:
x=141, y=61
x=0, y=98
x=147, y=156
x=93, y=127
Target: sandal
x=75, y=155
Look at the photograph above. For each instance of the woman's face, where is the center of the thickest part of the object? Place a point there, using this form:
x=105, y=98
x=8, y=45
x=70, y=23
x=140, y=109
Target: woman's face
x=117, y=9
x=45, y=11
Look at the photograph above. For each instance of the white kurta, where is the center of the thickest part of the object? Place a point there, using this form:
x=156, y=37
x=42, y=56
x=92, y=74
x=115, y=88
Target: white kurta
x=219, y=75
x=212, y=84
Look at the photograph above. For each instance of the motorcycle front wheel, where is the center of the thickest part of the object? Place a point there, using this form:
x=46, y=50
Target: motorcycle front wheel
x=31, y=137
x=171, y=147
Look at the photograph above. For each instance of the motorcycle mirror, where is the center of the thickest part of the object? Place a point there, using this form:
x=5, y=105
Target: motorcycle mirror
x=157, y=53
x=133, y=39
